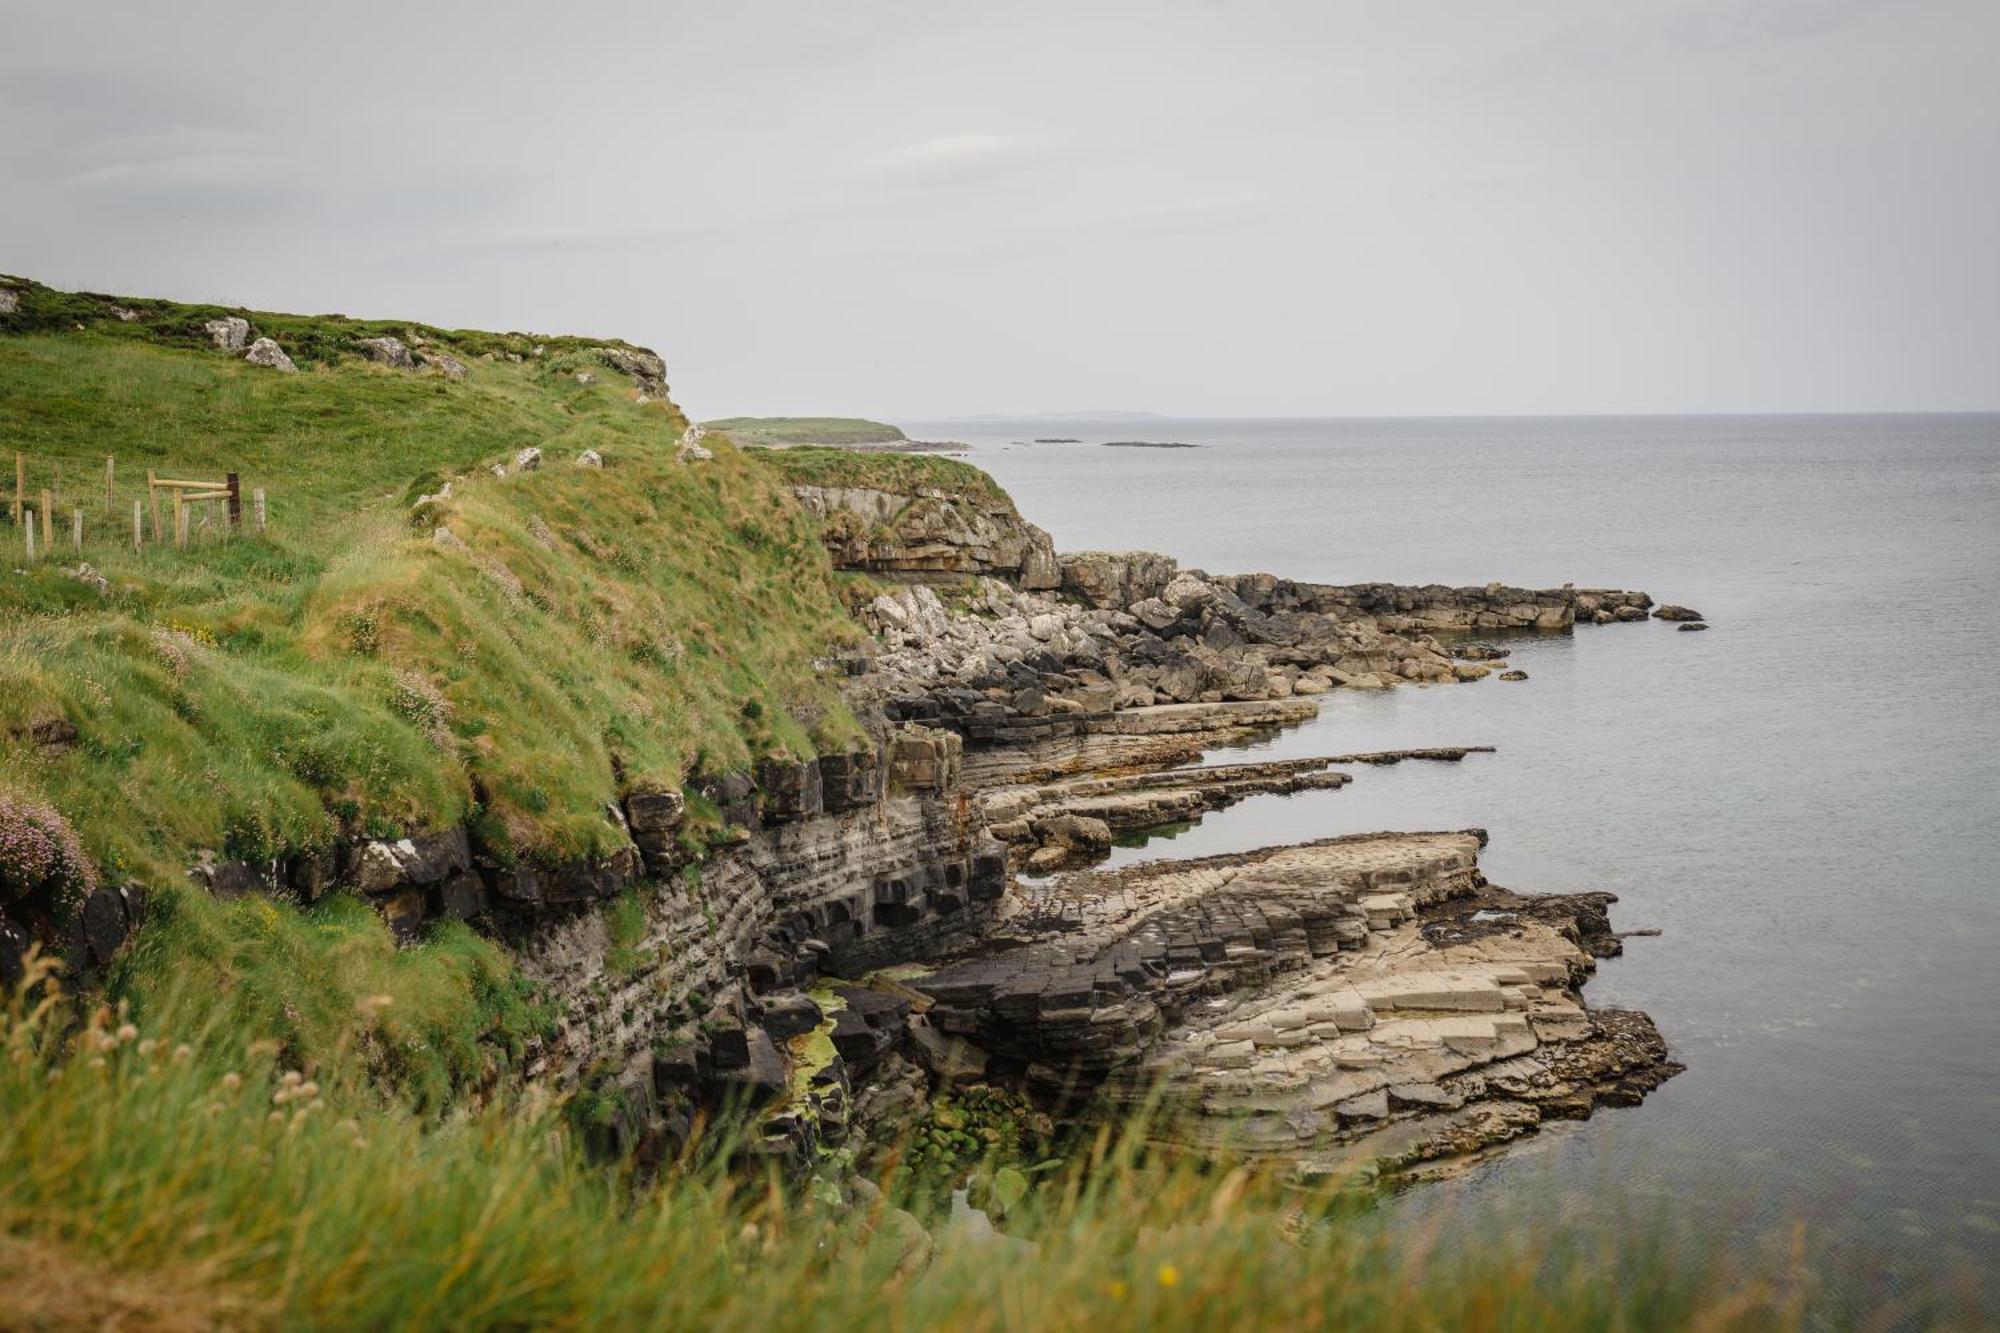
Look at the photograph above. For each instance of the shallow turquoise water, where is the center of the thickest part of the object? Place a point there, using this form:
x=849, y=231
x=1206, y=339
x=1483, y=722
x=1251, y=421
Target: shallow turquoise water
x=1805, y=800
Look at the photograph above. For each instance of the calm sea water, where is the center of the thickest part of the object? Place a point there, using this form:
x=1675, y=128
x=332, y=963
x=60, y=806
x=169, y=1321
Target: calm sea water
x=1805, y=800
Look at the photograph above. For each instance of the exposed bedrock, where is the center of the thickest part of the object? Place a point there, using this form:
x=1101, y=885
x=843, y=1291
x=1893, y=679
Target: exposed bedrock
x=1356, y=998
x=1139, y=663
x=931, y=533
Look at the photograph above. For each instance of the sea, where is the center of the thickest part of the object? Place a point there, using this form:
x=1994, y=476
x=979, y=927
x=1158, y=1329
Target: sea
x=1804, y=801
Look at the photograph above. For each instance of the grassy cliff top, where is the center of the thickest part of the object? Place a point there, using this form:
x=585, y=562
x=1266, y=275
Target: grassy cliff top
x=580, y=631
x=807, y=430
x=904, y=474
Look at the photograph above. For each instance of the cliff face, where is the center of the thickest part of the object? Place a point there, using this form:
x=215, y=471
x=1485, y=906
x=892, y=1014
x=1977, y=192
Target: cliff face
x=929, y=534
x=554, y=670
x=1364, y=996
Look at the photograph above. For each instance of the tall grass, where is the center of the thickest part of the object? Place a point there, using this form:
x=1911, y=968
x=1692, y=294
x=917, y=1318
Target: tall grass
x=589, y=629
x=220, y=1185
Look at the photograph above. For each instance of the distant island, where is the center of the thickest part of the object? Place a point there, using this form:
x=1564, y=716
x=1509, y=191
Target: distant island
x=847, y=431
x=1148, y=444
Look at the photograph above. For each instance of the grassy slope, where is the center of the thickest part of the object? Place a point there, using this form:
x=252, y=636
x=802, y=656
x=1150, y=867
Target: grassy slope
x=599, y=630
x=807, y=430
x=277, y=691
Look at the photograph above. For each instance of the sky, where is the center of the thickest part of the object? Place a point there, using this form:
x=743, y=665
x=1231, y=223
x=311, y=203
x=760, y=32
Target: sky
x=926, y=209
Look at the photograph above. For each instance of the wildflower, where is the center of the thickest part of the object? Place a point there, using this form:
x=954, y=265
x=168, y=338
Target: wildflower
x=1115, y=1289
x=147, y=1047
x=215, y=1109
x=183, y=1053
x=281, y=1096
x=308, y=1089
x=41, y=856
x=292, y=1078
x=276, y=1117
x=232, y=1080
x=1169, y=1275
x=127, y=1034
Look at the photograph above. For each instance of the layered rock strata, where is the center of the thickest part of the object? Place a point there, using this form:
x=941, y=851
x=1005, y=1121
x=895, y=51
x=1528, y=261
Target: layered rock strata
x=931, y=533
x=1361, y=998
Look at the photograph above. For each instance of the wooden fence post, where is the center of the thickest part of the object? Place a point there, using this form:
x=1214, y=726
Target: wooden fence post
x=138, y=524
x=153, y=498
x=257, y=498
x=76, y=529
x=28, y=527
x=180, y=523
x=48, y=517
x=110, y=485
x=235, y=501
x=20, y=486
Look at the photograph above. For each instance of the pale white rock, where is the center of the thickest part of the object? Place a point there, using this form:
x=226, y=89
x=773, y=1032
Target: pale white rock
x=229, y=333
x=265, y=352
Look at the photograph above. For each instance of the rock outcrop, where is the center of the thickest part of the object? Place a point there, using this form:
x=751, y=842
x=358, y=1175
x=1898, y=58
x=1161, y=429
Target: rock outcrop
x=1358, y=998
x=265, y=352
x=931, y=533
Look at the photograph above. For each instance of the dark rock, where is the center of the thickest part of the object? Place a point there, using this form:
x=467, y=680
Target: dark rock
x=791, y=789
x=1693, y=626
x=107, y=921
x=789, y=1015
x=763, y=1075
x=655, y=811
x=459, y=898
x=1677, y=613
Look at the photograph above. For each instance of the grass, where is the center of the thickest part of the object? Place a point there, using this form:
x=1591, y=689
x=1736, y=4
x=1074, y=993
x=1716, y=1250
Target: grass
x=191, y=1176
x=807, y=430
x=900, y=473
x=590, y=629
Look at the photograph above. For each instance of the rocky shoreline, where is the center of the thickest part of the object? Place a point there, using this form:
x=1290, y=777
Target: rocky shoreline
x=889, y=929
x=865, y=930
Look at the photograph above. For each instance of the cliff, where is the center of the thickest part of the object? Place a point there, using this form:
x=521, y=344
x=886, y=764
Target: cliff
x=568, y=694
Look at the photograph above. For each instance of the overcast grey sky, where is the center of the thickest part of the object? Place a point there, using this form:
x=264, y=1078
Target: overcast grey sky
x=929, y=208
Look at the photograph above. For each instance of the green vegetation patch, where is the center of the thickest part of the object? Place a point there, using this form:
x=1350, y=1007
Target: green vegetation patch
x=515, y=653
x=807, y=430
x=898, y=473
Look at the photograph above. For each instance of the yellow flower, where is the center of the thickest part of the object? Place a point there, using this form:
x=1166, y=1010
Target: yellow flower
x=1116, y=1289
x=1169, y=1275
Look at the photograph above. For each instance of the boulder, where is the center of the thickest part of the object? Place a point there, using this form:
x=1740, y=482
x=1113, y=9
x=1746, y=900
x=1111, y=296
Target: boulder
x=528, y=459
x=1678, y=613
x=264, y=352
x=10, y=301
x=443, y=363
x=387, y=351
x=644, y=368
x=1514, y=675
x=1076, y=833
x=1692, y=626
x=384, y=865
x=590, y=458
x=230, y=333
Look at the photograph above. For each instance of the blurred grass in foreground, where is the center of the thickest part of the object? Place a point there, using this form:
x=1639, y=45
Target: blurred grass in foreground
x=179, y=1177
